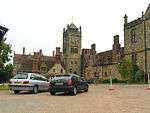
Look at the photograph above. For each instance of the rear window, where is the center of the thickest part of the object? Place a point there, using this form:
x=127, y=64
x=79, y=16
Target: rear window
x=20, y=76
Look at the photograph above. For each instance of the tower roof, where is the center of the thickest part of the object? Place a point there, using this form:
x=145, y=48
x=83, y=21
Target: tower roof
x=147, y=13
x=72, y=26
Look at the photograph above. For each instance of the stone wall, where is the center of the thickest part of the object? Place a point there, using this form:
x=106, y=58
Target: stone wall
x=102, y=72
x=56, y=69
x=137, y=46
x=148, y=61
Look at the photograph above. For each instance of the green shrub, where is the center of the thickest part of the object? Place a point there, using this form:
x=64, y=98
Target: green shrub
x=106, y=81
x=115, y=80
x=139, y=76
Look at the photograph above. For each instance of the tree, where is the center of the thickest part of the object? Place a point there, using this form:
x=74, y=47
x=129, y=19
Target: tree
x=6, y=73
x=5, y=51
x=9, y=70
x=127, y=69
x=5, y=55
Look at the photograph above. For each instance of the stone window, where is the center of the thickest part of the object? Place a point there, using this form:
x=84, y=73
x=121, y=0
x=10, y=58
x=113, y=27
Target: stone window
x=95, y=74
x=64, y=51
x=133, y=38
x=105, y=74
x=86, y=52
x=76, y=62
x=134, y=58
x=43, y=67
x=61, y=71
x=74, y=50
x=70, y=70
x=75, y=72
x=71, y=62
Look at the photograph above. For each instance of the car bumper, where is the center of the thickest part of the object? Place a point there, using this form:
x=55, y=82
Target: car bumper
x=61, y=89
x=21, y=87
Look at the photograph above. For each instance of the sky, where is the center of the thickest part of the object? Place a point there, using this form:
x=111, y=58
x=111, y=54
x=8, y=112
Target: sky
x=38, y=24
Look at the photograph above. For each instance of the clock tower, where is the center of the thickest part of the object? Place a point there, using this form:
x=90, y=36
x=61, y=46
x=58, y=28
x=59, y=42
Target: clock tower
x=72, y=49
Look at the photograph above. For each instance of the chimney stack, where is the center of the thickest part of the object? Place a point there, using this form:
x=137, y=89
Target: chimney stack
x=57, y=51
x=40, y=51
x=116, y=44
x=23, y=50
x=116, y=39
x=53, y=53
x=93, y=48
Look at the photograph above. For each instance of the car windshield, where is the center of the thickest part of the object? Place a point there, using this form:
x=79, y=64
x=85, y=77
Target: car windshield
x=61, y=78
x=20, y=76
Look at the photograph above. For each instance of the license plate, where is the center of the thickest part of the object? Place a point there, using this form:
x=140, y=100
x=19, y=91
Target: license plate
x=17, y=82
x=59, y=83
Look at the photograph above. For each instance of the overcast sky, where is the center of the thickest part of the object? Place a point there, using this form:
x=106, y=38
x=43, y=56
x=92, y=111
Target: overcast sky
x=38, y=24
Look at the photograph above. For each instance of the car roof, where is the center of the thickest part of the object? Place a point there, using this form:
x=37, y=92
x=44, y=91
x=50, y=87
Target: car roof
x=68, y=75
x=35, y=74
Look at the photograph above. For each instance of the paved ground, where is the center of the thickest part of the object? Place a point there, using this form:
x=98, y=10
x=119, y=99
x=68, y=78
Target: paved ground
x=124, y=99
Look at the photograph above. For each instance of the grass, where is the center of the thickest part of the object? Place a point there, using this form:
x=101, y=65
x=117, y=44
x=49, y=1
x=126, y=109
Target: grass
x=4, y=87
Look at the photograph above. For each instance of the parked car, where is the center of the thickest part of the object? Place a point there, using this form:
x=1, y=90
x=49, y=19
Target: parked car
x=68, y=83
x=29, y=82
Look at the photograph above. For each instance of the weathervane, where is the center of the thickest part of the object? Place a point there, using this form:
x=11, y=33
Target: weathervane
x=72, y=19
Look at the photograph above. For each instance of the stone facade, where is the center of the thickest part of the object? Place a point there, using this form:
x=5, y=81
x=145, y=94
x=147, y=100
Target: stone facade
x=102, y=65
x=38, y=63
x=72, y=49
x=137, y=40
x=136, y=47
x=87, y=58
x=56, y=69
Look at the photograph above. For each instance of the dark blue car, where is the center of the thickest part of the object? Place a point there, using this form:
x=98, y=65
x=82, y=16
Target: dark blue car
x=68, y=83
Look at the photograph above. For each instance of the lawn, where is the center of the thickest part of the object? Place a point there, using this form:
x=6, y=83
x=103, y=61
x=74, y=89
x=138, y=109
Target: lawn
x=4, y=87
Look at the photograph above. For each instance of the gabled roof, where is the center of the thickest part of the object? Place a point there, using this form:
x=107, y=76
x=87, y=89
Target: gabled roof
x=103, y=58
x=147, y=13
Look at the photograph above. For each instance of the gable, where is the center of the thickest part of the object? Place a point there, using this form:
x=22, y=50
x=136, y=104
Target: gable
x=147, y=13
x=56, y=69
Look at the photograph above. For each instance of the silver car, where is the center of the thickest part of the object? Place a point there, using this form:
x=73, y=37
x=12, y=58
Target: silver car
x=29, y=82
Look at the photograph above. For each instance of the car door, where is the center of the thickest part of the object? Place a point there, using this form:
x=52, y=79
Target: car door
x=79, y=83
x=76, y=82
x=37, y=81
x=45, y=83
x=41, y=83
x=84, y=84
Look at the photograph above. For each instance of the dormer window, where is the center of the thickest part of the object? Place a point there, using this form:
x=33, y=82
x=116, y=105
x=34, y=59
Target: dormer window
x=43, y=67
x=133, y=38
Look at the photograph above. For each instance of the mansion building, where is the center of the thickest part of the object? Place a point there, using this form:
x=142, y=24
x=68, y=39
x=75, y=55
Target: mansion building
x=88, y=62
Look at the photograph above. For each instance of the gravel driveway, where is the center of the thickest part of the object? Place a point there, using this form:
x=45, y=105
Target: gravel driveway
x=124, y=99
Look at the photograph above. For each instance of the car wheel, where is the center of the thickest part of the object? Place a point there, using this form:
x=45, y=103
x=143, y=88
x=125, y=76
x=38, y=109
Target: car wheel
x=16, y=91
x=86, y=89
x=35, y=90
x=52, y=92
x=74, y=91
